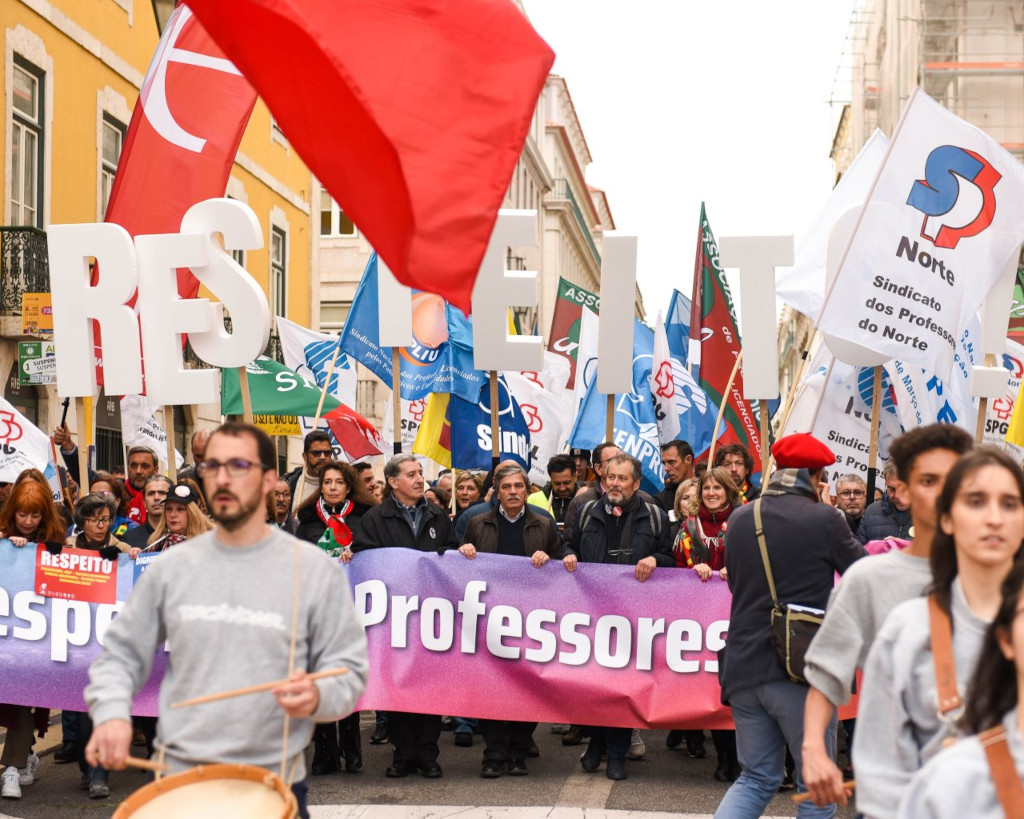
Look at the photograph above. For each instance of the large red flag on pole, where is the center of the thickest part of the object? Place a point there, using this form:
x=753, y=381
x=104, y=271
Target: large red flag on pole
x=715, y=343
x=183, y=137
x=412, y=113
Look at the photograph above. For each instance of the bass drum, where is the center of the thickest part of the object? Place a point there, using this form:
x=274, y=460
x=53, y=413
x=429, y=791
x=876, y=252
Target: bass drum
x=213, y=792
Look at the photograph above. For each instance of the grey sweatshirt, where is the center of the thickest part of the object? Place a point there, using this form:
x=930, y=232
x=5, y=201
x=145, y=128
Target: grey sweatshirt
x=870, y=589
x=226, y=614
x=957, y=782
x=898, y=728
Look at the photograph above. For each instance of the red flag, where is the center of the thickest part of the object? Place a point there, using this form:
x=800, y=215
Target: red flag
x=715, y=343
x=357, y=436
x=183, y=137
x=412, y=113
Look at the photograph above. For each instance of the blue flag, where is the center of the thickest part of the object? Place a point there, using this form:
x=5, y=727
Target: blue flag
x=471, y=430
x=677, y=327
x=636, y=422
x=441, y=357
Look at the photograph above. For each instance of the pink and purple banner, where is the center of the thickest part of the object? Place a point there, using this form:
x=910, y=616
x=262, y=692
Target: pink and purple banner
x=491, y=637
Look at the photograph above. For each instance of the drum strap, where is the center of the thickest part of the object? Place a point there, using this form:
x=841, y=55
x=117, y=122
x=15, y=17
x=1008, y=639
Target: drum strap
x=1004, y=773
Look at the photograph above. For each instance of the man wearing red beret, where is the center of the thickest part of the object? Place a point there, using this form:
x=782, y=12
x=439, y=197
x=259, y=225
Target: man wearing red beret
x=807, y=543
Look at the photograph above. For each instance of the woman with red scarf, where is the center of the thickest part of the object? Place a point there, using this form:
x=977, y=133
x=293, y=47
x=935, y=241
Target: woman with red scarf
x=329, y=518
x=700, y=545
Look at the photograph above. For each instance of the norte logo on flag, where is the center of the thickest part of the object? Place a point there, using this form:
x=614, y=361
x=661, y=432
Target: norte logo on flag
x=957, y=195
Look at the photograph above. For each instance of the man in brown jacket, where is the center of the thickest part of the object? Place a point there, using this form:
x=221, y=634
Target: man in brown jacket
x=510, y=528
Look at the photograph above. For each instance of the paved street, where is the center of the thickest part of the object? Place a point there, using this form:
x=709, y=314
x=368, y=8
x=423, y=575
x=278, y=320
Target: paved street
x=665, y=781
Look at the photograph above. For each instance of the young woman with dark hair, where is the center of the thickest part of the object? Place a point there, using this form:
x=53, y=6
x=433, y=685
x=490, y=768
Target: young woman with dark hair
x=329, y=518
x=962, y=780
x=929, y=647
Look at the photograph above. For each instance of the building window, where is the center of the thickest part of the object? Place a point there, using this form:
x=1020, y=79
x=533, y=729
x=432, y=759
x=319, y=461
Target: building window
x=333, y=221
x=333, y=314
x=278, y=271
x=113, y=140
x=27, y=145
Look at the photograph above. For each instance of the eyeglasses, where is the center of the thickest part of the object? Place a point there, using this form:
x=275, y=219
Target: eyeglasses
x=236, y=468
x=852, y=493
x=98, y=521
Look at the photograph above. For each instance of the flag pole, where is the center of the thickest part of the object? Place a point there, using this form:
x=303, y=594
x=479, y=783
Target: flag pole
x=396, y=397
x=979, y=434
x=495, y=425
x=172, y=466
x=876, y=401
x=243, y=388
x=609, y=418
x=82, y=422
x=721, y=408
x=323, y=389
x=765, y=448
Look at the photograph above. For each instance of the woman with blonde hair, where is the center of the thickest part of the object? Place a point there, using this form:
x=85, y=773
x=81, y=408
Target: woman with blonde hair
x=180, y=521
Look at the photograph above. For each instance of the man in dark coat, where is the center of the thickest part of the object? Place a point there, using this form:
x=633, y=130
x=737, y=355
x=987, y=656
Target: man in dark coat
x=154, y=493
x=620, y=528
x=886, y=518
x=405, y=518
x=510, y=528
x=807, y=543
x=677, y=460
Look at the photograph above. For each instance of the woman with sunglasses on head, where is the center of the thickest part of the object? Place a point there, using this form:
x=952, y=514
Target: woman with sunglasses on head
x=980, y=776
x=928, y=647
x=28, y=516
x=329, y=518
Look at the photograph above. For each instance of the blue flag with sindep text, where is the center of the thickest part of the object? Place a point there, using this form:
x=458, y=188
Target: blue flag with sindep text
x=471, y=430
x=636, y=422
x=677, y=327
x=441, y=357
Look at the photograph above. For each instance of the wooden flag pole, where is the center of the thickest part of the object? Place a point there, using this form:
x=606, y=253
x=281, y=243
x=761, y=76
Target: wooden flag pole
x=495, y=424
x=609, y=420
x=243, y=388
x=979, y=434
x=721, y=408
x=323, y=389
x=172, y=465
x=876, y=402
x=396, y=397
x=81, y=421
x=765, y=440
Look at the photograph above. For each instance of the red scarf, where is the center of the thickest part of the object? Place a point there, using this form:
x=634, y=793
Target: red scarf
x=335, y=521
x=136, y=506
x=713, y=526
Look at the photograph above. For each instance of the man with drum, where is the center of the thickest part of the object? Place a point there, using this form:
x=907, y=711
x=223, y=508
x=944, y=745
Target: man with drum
x=242, y=604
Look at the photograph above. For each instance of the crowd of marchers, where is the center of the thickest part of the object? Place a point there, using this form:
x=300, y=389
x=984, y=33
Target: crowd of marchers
x=926, y=607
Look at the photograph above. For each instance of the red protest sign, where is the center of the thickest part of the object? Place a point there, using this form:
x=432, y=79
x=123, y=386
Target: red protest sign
x=76, y=574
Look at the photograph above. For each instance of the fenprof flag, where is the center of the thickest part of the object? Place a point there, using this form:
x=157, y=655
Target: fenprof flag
x=945, y=214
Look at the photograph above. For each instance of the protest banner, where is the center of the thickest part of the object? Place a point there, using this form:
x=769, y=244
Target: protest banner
x=75, y=574
x=945, y=214
x=275, y=425
x=139, y=427
x=564, y=337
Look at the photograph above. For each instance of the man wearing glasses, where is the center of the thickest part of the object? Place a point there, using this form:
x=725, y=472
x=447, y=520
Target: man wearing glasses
x=227, y=603
x=304, y=480
x=620, y=528
x=852, y=499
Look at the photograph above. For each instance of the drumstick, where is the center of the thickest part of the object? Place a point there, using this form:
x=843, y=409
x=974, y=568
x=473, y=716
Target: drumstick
x=254, y=689
x=145, y=764
x=804, y=797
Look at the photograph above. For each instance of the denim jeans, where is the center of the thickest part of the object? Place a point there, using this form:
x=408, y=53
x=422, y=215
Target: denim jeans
x=768, y=717
x=464, y=725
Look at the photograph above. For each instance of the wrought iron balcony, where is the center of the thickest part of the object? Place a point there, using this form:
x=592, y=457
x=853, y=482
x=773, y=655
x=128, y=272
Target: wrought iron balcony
x=273, y=349
x=24, y=266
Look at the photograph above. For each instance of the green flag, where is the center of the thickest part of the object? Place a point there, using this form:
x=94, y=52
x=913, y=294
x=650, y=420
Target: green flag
x=274, y=389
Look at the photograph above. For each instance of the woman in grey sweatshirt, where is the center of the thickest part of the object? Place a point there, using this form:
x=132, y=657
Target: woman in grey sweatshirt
x=981, y=521
x=958, y=781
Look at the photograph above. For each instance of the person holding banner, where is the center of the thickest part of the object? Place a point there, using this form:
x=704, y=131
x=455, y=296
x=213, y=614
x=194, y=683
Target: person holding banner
x=468, y=489
x=404, y=518
x=28, y=516
x=181, y=520
x=928, y=647
x=620, y=528
x=94, y=515
x=980, y=776
x=103, y=483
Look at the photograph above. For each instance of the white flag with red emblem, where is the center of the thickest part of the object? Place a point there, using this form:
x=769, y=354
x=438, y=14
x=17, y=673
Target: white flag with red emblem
x=663, y=386
x=546, y=405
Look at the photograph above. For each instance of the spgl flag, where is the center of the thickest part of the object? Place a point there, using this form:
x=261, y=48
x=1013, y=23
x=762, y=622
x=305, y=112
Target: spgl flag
x=471, y=430
x=715, y=343
x=945, y=216
x=566, y=323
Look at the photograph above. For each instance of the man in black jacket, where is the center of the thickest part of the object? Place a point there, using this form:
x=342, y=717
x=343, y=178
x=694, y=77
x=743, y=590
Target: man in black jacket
x=807, y=543
x=677, y=460
x=154, y=492
x=405, y=518
x=619, y=528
